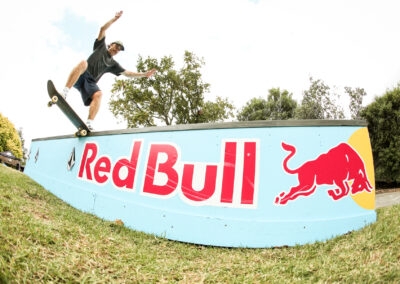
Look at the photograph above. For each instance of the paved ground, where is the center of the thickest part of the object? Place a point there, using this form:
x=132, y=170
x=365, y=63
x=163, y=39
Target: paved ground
x=387, y=199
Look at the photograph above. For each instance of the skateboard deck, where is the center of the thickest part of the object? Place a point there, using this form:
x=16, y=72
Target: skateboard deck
x=57, y=99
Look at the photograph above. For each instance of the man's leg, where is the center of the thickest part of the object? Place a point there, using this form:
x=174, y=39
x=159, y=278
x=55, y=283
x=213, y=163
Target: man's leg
x=75, y=73
x=95, y=105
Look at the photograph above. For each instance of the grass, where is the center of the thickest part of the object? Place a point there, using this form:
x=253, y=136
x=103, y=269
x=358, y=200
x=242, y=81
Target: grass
x=44, y=240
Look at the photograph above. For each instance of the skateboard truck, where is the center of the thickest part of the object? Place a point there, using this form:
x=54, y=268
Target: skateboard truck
x=53, y=101
x=80, y=133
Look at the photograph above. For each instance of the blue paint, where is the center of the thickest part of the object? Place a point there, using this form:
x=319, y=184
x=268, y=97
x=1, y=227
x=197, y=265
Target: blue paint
x=305, y=220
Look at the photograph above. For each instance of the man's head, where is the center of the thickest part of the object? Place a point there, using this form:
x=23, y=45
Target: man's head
x=115, y=47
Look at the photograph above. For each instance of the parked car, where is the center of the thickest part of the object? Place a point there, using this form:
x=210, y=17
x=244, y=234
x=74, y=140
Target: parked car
x=10, y=160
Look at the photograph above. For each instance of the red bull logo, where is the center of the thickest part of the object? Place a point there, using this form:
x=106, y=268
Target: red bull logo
x=231, y=182
x=341, y=167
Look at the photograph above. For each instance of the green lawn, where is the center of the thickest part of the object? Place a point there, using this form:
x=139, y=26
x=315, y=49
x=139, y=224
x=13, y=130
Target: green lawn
x=42, y=239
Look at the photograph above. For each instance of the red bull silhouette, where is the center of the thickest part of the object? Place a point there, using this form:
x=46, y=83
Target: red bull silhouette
x=339, y=166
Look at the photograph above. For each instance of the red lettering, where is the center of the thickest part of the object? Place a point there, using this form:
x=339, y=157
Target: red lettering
x=249, y=170
x=85, y=162
x=131, y=165
x=166, y=168
x=98, y=168
x=236, y=175
x=228, y=178
x=209, y=183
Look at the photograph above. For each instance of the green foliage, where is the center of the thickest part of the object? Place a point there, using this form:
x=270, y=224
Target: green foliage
x=24, y=150
x=319, y=103
x=383, y=116
x=215, y=111
x=255, y=109
x=356, y=98
x=170, y=96
x=9, y=138
x=278, y=106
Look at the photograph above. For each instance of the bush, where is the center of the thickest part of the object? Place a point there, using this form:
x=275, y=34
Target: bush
x=279, y=105
x=9, y=138
x=383, y=116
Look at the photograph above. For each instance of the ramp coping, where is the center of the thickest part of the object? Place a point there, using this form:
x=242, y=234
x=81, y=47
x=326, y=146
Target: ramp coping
x=221, y=125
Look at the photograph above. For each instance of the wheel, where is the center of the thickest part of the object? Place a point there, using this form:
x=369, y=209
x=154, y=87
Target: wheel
x=54, y=99
x=83, y=132
x=50, y=103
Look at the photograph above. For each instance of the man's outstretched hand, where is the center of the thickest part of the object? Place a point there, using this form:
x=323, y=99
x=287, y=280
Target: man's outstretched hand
x=150, y=73
x=118, y=15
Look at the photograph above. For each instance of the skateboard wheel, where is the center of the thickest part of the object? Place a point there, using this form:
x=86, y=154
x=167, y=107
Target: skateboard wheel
x=83, y=132
x=54, y=99
x=50, y=103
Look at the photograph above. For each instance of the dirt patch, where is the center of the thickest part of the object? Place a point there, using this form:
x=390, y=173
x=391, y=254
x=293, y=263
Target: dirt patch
x=386, y=190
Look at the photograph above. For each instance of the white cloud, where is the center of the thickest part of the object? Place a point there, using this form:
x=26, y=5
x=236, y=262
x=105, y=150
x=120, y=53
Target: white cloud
x=248, y=46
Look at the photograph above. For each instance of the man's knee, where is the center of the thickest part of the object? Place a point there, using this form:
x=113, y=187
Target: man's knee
x=97, y=95
x=82, y=66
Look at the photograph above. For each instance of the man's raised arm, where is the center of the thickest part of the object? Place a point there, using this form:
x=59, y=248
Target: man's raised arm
x=132, y=75
x=103, y=29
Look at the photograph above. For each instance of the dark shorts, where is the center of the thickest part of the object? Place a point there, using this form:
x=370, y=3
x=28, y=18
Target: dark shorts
x=87, y=86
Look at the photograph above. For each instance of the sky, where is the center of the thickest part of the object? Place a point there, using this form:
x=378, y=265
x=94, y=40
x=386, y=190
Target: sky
x=249, y=47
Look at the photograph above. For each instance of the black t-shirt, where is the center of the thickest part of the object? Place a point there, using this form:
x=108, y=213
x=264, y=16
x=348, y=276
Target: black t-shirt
x=100, y=61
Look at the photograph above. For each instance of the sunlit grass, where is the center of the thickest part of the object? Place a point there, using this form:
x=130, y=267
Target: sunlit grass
x=42, y=239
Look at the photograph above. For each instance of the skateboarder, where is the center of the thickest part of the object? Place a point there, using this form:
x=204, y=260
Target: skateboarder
x=87, y=73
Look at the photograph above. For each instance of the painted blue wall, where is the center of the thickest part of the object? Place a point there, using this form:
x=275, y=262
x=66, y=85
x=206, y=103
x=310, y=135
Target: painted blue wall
x=305, y=220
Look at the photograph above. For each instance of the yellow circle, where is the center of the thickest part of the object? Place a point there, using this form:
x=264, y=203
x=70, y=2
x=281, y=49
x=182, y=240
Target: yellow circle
x=359, y=140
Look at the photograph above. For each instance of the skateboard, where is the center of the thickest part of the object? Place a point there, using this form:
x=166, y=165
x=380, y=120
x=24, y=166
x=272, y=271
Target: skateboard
x=57, y=99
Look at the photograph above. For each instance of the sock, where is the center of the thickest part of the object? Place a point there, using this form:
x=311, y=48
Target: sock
x=89, y=124
x=65, y=91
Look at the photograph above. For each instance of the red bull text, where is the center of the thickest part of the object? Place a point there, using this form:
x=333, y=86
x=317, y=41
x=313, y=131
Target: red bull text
x=233, y=182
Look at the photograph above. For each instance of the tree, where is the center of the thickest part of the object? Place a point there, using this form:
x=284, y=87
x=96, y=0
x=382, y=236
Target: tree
x=215, y=111
x=356, y=98
x=170, y=96
x=24, y=150
x=319, y=103
x=383, y=116
x=9, y=138
x=279, y=105
x=255, y=109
